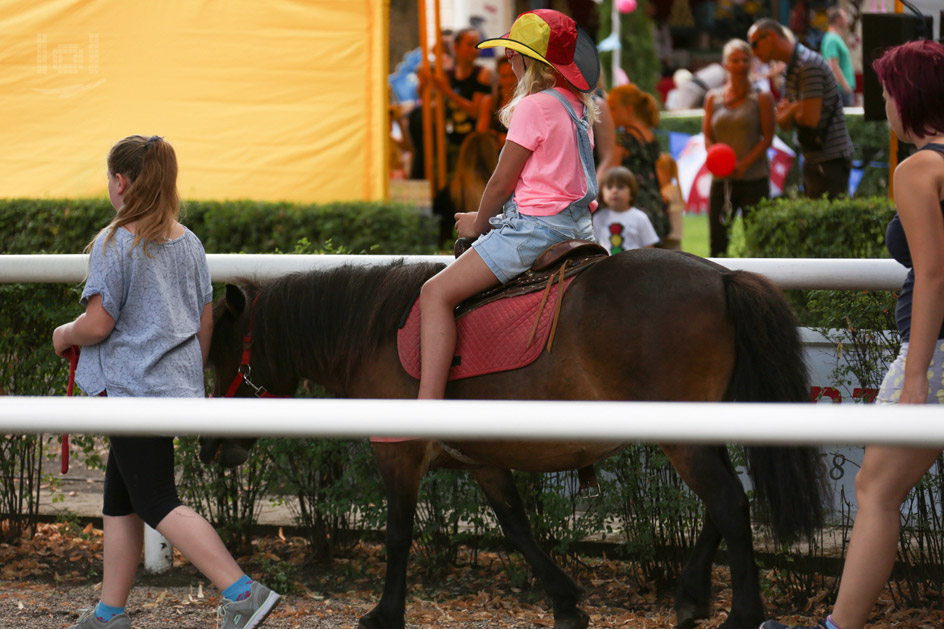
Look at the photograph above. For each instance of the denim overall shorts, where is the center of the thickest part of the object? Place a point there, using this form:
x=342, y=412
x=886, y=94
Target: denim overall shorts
x=516, y=240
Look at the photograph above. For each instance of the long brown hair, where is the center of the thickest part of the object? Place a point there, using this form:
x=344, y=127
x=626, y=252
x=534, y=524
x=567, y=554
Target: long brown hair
x=477, y=159
x=642, y=104
x=151, y=200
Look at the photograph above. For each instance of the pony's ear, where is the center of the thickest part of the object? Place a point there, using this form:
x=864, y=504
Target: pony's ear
x=235, y=300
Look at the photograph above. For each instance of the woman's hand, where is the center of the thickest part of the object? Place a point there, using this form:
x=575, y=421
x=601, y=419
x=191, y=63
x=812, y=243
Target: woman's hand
x=914, y=391
x=465, y=224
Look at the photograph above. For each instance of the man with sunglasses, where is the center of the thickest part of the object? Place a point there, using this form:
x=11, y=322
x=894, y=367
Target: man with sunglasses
x=812, y=105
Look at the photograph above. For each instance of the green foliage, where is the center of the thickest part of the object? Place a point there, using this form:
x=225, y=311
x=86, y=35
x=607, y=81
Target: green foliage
x=818, y=228
x=20, y=476
x=560, y=516
x=67, y=226
x=281, y=576
x=336, y=489
x=451, y=510
x=862, y=325
x=660, y=516
x=638, y=57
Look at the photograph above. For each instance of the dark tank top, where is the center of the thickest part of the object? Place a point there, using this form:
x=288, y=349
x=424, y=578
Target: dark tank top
x=897, y=245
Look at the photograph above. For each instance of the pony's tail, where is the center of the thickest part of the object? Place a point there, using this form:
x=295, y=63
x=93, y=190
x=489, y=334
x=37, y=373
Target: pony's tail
x=789, y=482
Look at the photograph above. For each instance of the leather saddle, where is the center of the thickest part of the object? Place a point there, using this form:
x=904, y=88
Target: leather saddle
x=557, y=262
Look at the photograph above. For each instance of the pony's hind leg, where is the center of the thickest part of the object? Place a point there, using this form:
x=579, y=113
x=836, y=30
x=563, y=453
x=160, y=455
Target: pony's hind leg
x=693, y=596
x=402, y=466
x=709, y=473
x=502, y=494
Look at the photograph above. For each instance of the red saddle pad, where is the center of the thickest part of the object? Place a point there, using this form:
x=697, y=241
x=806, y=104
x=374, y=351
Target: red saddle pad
x=491, y=338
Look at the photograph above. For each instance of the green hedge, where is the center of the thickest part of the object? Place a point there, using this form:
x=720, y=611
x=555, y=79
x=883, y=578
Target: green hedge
x=818, y=228
x=844, y=228
x=67, y=225
x=870, y=139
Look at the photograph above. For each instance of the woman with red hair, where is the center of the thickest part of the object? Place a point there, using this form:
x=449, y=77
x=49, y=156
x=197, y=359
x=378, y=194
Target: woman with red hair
x=912, y=77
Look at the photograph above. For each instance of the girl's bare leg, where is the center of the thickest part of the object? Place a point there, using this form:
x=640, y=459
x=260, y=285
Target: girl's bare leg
x=199, y=542
x=439, y=297
x=121, y=553
x=883, y=483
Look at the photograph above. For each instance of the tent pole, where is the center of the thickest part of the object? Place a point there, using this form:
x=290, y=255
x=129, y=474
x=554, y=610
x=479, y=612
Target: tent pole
x=426, y=103
x=440, y=106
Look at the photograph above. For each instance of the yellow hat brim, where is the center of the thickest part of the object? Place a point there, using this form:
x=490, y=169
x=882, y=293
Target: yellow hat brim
x=514, y=45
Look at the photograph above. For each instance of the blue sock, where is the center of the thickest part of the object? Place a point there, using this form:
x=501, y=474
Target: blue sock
x=239, y=589
x=106, y=612
x=830, y=624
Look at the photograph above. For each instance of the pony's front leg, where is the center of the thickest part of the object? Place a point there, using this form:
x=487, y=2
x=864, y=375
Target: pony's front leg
x=709, y=473
x=502, y=493
x=402, y=466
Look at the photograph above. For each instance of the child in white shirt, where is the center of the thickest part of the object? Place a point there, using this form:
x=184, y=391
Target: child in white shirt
x=617, y=225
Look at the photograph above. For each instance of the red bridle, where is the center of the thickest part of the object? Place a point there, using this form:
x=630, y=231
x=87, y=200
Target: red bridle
x=244, y=371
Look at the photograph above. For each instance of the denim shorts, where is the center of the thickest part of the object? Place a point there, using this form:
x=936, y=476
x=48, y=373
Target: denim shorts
x=516, y=240
x=895, y=378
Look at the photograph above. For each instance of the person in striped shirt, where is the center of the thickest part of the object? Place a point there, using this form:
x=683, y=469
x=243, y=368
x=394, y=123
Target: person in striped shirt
x=812, y=105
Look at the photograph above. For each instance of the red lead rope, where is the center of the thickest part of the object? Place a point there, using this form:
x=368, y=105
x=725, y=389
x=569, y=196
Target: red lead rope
x=73, y=362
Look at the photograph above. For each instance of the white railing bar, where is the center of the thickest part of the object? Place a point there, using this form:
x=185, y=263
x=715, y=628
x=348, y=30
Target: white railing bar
x=667, y=422
x=787, y=273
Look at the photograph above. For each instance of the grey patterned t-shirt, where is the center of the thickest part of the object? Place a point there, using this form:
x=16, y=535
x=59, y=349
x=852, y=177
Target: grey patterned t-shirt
x=156, y=303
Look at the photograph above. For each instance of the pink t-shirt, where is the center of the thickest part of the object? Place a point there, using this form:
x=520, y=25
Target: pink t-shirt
x=553, y=176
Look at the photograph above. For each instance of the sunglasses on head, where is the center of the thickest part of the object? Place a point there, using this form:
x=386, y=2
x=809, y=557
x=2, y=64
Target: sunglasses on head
x=757, y=41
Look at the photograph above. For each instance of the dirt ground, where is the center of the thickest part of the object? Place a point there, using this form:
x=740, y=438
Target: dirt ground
x=44, y=582
x=47, y=580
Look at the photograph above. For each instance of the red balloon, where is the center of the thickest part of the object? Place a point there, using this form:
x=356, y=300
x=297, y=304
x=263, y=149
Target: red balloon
x=720, y=160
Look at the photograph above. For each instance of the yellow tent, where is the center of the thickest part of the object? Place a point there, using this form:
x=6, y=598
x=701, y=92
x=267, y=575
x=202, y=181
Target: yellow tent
x=268, y=100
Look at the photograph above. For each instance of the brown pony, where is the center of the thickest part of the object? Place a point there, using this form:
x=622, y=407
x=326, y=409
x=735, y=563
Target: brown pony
x=641, y=325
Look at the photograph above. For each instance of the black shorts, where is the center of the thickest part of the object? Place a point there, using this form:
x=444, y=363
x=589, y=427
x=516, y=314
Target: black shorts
x=139, y=478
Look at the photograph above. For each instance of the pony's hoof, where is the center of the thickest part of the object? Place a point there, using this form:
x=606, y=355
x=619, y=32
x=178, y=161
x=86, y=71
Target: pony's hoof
x=573, y=619
x=375, y=620
x=687, y=616
x=743, y=621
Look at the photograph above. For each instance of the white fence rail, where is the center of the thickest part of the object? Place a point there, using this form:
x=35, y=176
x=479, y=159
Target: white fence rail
x=689, y=422
x=669, y=422
x=576, y=421
x=841, y=273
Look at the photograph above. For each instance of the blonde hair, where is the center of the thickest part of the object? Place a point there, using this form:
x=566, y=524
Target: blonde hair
x=477, y=159
x=643, y=105
x=539, y=76
x=733, y=45
x=151, y=200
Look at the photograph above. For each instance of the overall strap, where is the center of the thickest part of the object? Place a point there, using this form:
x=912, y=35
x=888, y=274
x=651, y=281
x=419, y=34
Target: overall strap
x=584, y=150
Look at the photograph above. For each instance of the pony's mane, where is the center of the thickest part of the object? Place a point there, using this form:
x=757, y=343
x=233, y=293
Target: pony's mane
x=331, y=321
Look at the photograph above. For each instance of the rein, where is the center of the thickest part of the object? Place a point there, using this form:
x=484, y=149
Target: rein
x=244, y=371
x=64, y=452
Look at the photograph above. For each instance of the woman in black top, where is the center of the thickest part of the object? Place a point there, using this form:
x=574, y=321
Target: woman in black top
x=912, y=77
